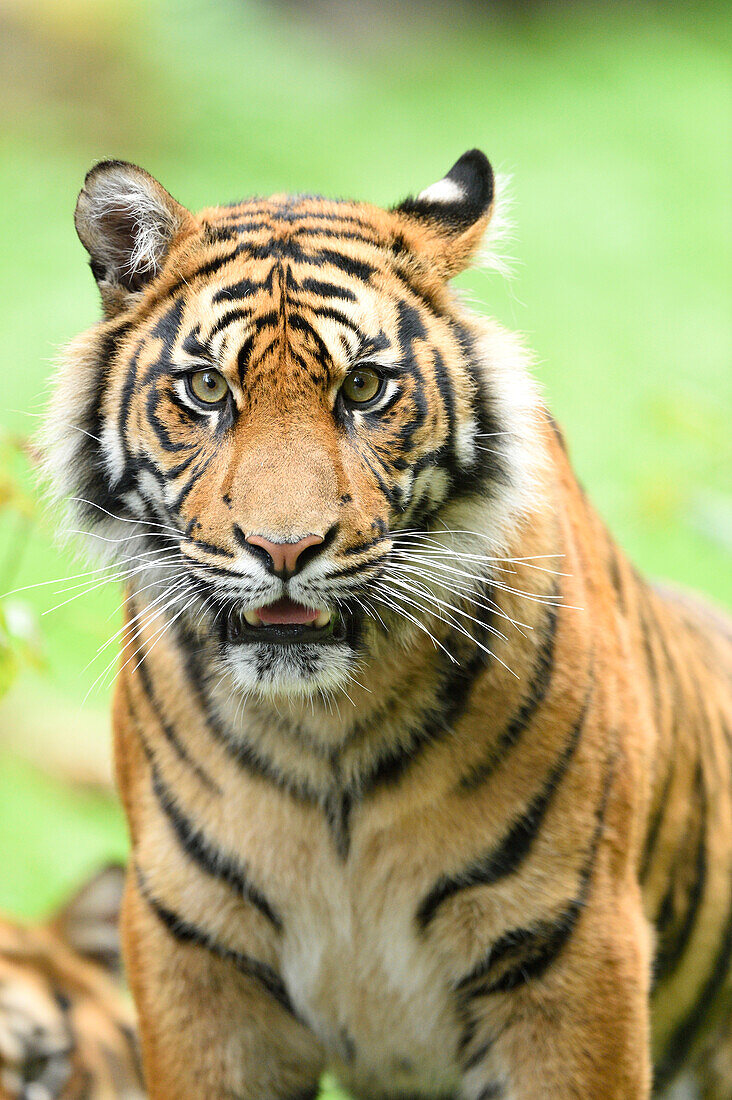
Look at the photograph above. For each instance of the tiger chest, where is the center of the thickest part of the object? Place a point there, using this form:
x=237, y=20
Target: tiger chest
x=372, y=992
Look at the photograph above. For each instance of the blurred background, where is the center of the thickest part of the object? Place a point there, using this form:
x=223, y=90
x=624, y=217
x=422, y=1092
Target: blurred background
x=614, y=121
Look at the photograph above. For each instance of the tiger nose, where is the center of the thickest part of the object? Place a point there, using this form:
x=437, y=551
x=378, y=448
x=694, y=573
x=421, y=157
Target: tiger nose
x=285, y=555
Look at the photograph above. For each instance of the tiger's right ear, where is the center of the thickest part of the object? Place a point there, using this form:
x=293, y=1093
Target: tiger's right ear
x=127, y=222
x=445, y=223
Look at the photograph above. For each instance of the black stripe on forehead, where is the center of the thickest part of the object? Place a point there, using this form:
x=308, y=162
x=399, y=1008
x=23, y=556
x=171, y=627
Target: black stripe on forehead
x=298, y=323
x=228, y=318
x=244, y=288
x=192, y=345
x=167, y=327
x=290, y=211
x=329, y=313
x=286, y=249
x=326, y=289
x=310, y=231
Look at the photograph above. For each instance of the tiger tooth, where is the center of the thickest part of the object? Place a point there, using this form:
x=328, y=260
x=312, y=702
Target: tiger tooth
x=323, y=618
x=252, y=618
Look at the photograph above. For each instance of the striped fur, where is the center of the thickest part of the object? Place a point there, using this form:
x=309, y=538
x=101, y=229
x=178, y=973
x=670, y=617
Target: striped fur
x=477, y=845
x=67, y=1032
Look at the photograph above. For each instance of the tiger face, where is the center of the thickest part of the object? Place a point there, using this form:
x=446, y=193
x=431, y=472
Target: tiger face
x=283, y=397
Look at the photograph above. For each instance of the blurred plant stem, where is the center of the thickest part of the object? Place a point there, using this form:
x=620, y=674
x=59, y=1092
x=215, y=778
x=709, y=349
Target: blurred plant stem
x=19, y=636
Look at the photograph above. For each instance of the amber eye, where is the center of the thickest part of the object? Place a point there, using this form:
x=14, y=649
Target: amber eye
x=208, y=386
x=361, y=385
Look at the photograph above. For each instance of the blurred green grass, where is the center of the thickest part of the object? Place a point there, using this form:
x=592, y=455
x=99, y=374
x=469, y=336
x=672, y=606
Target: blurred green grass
x=612, y=119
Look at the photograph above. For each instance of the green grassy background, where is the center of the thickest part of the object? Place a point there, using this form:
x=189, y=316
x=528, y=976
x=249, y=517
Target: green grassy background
x=612, y=119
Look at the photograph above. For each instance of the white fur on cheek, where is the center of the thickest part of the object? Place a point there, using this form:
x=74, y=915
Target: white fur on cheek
x=114, y=459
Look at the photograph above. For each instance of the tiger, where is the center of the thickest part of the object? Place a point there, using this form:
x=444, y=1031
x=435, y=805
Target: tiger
x=67, y=1030
x=426, y=787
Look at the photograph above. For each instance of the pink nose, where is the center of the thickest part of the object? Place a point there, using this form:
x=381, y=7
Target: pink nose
x=284, y=555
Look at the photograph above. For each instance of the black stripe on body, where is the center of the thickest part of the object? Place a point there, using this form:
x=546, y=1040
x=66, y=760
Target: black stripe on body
x=389, y=493
x=493, y=1091
x=243, y=357
x=244, y=754
x=170, y=734
x=515, y=847
x=516, y=727
x=208, y=547
x=525, y=954
x=456, y=685
x=188, y=933
x=674, y=932
x=338, y=808
x=656, y=822
x=680, y=1041
x=671, y=686
x=206, y=855
x=172, y=473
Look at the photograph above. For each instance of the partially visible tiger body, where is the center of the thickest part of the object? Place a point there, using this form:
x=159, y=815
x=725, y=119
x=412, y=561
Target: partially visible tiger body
x=469, y=836
x=67, y=1030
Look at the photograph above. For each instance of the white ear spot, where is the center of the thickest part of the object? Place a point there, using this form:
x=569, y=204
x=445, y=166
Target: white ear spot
x=445, y=190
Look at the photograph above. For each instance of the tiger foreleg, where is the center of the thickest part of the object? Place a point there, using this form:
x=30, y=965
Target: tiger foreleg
x=210, y=1026
x=565, y=1028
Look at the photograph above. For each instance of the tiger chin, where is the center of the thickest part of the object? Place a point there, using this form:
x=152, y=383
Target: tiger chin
x=425, y=785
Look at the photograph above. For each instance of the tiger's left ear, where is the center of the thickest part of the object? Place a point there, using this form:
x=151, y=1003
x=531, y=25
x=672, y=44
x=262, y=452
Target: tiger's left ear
x=447, y=220
x=127, y=222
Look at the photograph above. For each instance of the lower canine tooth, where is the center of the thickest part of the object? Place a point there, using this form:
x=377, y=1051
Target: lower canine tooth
x=252, y=618
x=323, y=618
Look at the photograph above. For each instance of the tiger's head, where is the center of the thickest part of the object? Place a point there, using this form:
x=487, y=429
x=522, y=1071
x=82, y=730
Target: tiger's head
x=283, y=399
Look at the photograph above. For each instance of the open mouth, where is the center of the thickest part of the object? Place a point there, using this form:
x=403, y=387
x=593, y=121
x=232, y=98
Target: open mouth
x=284, y=622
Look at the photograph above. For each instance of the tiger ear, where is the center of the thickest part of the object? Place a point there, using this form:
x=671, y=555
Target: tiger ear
x=447, y=220
x=89, y=921
x=127, y=222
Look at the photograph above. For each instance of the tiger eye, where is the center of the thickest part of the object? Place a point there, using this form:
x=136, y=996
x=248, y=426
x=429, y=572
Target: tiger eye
x=361, y=385
x=208, y=386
